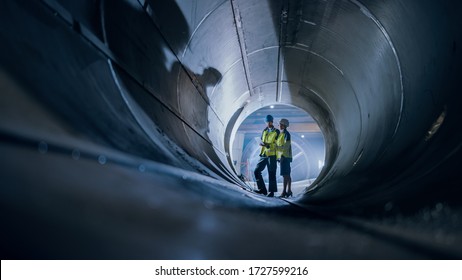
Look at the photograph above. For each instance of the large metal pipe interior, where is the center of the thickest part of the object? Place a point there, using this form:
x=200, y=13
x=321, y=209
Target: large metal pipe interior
x=117, y=120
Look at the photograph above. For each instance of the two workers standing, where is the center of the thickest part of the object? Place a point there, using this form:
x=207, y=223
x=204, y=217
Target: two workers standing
x=275, y=146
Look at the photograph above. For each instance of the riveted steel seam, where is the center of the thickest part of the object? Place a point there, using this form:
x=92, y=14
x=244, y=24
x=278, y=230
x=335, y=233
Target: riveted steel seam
x=242, y=45
x=369, y=14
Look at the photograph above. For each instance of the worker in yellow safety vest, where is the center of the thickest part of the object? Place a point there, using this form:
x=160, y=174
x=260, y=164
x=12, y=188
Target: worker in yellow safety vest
x=267, y=158
x=284, y=156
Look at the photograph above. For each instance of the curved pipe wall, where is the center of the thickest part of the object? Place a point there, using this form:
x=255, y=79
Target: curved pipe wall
x=349, y=64
x=375, y=75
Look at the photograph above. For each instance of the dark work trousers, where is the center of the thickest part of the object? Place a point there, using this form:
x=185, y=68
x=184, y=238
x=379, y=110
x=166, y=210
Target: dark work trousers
x=269, y=162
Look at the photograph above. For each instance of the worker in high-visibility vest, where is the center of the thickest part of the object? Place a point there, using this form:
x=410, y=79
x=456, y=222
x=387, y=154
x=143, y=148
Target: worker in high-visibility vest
x=267, y=159
x=284, y=156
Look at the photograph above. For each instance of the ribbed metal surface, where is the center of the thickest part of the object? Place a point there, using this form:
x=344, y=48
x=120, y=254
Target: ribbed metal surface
x=170, y=82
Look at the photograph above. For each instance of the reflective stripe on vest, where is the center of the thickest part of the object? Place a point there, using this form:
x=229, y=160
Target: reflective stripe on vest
x=269, y=138
x=283, y=146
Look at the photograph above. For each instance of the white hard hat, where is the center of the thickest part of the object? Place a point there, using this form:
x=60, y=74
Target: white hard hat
x=285, y=122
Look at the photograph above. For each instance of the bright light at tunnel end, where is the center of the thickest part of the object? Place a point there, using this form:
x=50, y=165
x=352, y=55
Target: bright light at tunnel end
x=308, y=147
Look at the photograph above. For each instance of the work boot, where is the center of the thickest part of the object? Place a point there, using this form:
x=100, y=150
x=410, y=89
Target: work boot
x=263, y=192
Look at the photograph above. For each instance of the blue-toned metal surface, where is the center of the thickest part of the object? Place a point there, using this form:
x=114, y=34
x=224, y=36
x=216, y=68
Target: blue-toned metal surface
x=169, y=83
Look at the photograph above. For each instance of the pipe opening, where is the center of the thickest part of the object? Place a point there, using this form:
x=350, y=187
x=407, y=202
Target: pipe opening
x=307, y=139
